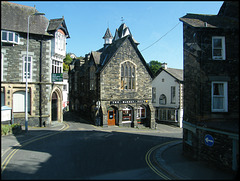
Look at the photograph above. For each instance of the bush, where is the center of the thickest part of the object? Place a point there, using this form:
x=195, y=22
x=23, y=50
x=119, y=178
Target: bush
x=5, y=129
x=9, y=129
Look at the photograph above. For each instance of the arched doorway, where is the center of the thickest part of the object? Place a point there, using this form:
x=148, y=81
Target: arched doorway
x=54, y=106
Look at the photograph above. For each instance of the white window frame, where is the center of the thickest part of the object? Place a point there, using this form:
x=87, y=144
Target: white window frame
x=57, y=66
x=224, y=96
x=24, y=70
x=223, y=51
x=15, y=37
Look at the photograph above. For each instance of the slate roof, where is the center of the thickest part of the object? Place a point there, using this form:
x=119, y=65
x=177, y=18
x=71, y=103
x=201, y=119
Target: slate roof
x=55, y=24
x=175, y=73
x=108, y=34
x=122, y=32
x=109, y=52
x=227, y=17
x=213, y=21
x=96, y=57
x=14, y=17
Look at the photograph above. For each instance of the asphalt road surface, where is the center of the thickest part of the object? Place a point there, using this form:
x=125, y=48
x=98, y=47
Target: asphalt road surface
x=84, y=151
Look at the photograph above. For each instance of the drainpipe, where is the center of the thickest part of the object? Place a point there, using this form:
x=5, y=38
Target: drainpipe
x=40, y=86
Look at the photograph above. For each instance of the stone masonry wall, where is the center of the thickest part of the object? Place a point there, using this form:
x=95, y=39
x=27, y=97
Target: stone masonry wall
x=13, y=76
x=110, y=79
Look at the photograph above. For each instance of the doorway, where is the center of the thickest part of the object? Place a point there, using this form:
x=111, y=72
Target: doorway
x=54, y=107
x=112, y=116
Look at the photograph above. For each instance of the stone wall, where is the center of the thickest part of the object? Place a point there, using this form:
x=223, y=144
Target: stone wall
x=110, y=81
x=220, y=153
x=13, y=77
x=199, y=72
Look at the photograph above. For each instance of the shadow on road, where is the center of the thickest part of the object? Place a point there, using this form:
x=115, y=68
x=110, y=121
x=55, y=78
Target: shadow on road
x=81, y=154
x=76, y=117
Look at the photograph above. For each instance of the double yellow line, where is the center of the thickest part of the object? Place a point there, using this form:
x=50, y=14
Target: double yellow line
x=13, y=152
x=149, y=163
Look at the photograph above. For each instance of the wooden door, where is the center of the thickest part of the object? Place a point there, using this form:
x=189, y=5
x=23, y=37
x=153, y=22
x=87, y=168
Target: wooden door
x=111, y=118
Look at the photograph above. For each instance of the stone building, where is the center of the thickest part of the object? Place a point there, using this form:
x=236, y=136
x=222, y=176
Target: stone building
x=167, y=96
x=47, y=48
x=114, y=83
x=211, y=86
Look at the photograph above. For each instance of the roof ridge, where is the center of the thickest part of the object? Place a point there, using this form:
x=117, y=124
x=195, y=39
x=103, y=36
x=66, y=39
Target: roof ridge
x=55, y=19
x=18, y=4
x=201, y=14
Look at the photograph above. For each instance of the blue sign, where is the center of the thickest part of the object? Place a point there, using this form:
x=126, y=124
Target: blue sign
x=209, y=141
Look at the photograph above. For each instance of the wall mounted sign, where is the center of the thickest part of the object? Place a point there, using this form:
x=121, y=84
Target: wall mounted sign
x=128, y=101
x=209, y=141
x=57, y=77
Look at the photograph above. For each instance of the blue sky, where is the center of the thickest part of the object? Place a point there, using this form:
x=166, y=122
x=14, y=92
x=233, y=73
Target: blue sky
x=148, y=21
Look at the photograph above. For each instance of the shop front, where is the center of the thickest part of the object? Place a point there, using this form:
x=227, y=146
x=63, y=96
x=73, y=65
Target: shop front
x=128, y=113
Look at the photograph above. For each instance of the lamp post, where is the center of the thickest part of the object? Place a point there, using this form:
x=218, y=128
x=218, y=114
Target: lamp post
x=26, y=78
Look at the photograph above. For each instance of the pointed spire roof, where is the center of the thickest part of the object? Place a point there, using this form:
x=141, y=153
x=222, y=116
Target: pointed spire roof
x=108, y=34
x=123, y=31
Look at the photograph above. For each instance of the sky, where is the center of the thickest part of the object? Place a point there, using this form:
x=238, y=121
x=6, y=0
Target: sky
x=148, y=21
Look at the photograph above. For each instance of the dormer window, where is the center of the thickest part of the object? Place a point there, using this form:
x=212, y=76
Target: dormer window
x=9, y=37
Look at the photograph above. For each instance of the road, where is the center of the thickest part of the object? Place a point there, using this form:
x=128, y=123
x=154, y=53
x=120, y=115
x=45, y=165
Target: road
x=83, y=151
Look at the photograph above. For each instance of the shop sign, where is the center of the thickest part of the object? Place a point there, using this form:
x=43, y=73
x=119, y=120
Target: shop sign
x=6, y=113
x=128, y=101
x=57, y=77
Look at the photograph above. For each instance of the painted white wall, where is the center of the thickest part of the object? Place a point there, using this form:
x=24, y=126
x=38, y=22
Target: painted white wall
x=164, y=87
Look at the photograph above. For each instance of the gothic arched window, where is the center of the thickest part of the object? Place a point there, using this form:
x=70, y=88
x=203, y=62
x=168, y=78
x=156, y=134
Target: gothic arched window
x=128, y=76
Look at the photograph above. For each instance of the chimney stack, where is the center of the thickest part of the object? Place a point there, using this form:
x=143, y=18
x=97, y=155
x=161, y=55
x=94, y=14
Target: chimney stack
x=164, y=65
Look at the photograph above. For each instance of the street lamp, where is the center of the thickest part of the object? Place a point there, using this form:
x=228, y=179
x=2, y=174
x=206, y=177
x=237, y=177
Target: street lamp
x=26, y=93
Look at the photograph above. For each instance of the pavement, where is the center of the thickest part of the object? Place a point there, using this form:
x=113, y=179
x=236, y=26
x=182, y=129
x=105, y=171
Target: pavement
x=168, y=158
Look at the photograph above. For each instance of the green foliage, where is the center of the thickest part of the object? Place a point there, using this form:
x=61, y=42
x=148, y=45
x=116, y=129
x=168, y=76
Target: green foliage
x=5, y=129
x=154, y=66
x=67, y=60
x=65, y=67
x=9, y=129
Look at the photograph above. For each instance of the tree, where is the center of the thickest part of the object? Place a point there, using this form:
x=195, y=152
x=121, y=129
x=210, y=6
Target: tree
x=67, y=60
x=154, y=66
x=65, y=67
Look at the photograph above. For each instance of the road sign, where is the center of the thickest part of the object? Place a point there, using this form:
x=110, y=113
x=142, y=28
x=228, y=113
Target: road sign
x=209, y=141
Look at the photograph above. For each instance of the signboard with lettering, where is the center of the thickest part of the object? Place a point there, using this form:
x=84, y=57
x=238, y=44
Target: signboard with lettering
x=57, y=77
x=209, y=141
x=6, y=113
x=128, y=101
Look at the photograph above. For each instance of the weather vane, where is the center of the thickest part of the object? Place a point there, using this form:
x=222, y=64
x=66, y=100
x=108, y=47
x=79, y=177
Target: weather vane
x=122, y=19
